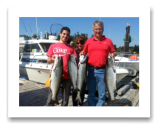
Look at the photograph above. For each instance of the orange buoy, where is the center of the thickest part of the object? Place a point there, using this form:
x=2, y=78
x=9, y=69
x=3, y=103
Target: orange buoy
x=133, y=57
x=48, y=83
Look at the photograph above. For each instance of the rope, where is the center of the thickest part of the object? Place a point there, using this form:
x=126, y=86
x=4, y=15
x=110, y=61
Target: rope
x=24, y=26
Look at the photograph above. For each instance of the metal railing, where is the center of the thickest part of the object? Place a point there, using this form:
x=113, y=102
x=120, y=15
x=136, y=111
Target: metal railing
x=126, y=53
x=39, y=59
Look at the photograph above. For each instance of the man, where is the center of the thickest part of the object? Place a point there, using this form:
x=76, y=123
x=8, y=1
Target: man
x=63, y=49
x=98, y=48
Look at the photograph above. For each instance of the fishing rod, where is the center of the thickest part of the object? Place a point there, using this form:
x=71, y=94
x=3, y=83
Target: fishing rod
x=25, y=27
x=30, y=27
x=36, y=27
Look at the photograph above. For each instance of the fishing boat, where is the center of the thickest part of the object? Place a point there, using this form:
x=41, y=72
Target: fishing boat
x=130, y=62
x=33, y=61
x=121, y=73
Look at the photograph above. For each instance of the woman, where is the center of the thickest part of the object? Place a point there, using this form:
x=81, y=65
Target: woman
x=79, y=47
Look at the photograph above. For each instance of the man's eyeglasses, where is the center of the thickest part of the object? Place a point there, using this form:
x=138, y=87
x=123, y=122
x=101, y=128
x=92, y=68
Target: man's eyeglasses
x=98, y=29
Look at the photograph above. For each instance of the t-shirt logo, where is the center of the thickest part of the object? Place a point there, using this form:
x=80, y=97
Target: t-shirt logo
x=59, y=50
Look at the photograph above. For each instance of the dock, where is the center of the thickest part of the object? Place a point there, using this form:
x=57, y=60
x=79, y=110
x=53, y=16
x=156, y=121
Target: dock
x=35, y=94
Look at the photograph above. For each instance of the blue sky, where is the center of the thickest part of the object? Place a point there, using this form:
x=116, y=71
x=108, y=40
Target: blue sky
x=114, y=27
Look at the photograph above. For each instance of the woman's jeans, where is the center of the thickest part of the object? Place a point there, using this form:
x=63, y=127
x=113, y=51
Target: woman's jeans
x=95, y=77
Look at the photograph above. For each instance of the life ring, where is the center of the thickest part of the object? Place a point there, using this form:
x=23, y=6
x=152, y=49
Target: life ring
x=133, y=57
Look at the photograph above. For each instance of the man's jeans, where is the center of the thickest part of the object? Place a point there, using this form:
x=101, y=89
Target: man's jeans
x=96, y=77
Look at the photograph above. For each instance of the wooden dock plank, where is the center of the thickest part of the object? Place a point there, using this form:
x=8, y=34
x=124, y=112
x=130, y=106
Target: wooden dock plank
x=137, y=104
x=131, y=97
x=136, y=100
x=125, y=99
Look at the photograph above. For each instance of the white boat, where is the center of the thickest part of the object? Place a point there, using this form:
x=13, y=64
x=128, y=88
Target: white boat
x=131, y=62
x=33, y=62
x=121, y=73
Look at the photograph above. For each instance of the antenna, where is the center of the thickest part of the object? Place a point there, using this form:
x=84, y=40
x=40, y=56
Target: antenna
x=41, y=35
x=25, y=28
x=45, y=34
x=36, y=27
x=30, y=27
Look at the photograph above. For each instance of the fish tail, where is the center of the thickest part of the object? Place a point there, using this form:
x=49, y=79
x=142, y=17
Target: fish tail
x=78, y=98
x=76, y=86
x=53, y=102
x=75, y=90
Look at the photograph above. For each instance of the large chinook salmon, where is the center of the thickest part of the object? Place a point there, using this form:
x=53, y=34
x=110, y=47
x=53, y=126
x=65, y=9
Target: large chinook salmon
x=110, y=77
x=82, y=70
x=55, y=79
x=73, y=71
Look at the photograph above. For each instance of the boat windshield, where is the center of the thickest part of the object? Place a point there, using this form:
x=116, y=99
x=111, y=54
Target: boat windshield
x=32, y=48
x=45, y=46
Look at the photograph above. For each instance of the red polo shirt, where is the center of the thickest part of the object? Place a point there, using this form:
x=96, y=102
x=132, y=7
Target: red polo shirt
x=98, y=50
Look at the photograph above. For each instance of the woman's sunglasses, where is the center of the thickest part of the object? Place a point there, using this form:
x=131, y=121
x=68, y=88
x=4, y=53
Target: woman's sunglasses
x=80, y=43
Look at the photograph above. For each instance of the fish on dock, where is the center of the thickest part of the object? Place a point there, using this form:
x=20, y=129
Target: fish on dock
x=55, y=79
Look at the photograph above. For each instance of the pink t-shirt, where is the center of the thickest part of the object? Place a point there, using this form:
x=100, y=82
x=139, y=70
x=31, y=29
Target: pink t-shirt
x=98, y=50
x=64, y=50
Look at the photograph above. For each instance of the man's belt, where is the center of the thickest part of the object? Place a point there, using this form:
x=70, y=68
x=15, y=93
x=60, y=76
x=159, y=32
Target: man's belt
x=96, y=67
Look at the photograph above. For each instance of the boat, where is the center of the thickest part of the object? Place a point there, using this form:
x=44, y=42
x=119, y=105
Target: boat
x=33, y=61
x=130, y=62
x=121, y=73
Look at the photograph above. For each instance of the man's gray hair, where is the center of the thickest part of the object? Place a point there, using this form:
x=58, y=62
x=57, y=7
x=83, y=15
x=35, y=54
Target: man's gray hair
x=98, y=22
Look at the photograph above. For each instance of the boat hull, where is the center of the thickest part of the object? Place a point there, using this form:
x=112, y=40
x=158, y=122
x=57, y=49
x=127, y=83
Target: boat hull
x=34, y=74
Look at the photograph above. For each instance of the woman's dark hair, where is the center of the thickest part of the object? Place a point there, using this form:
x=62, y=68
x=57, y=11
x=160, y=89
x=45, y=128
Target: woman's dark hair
x=65, y=28
x=80, y=39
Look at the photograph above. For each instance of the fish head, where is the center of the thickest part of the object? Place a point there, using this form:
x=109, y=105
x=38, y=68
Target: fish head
x=72, y=58
x=60, y=59
x=56, y=58
x=110, y=62
x=83, y=58
x=57, y=62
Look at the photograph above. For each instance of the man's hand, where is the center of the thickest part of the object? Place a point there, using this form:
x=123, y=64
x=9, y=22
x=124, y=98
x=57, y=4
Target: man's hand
x=51, y=59
x=113, y=54
x=82, y=53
